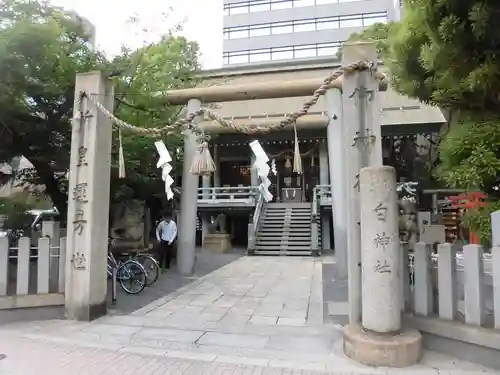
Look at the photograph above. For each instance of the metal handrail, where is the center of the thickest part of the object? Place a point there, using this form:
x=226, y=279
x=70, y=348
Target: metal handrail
x=320, y=191
x=315, y=202
x=255, y=221
x=235, y=192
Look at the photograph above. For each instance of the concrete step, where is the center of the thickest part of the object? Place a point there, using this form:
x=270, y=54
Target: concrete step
x=287, y=244
x=284, y=252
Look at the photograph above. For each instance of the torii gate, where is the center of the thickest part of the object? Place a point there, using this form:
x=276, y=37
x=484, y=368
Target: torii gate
x=354, y=142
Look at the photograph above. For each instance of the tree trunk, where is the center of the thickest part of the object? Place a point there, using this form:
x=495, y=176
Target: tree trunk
x=52, y=187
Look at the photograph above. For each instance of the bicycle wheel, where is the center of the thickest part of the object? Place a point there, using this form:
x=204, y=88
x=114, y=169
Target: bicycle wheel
x=151, y=266
x=132, y=277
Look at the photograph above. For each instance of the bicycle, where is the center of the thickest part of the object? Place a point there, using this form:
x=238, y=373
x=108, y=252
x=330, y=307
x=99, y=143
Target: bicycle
x=151, y=266
x=128, y=271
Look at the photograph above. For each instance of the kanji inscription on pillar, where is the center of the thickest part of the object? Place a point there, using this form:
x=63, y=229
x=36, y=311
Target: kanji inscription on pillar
x=79, y=222
x=82, y=156
x=80, y=192
x=79, y=196
x=381, y=254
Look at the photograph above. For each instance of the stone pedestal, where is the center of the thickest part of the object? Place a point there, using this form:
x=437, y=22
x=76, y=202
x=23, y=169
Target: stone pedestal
x=380, y=340
x=398, y=350
x=220, y=242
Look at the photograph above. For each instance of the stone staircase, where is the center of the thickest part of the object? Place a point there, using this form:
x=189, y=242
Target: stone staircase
x=285, y=229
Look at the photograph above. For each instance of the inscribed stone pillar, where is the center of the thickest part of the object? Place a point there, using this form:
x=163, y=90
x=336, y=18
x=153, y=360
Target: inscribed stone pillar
x=186, y=243
x=381, y=255
x=336, y=163
x=88, y=201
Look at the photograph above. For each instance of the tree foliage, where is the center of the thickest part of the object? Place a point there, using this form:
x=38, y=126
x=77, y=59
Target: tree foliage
x=42, y=48
x=147, y=72
x=446, y=53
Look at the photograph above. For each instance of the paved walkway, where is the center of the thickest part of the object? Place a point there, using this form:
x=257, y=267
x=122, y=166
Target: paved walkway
x=206, y=262
x=258, y=315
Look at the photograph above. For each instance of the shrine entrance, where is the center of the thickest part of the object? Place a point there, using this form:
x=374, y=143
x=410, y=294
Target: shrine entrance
x=287, y=185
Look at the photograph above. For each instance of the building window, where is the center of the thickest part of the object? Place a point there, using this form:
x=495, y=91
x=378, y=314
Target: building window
x=301, y=52
x=281, y=4
x=298, y=26
x=303, y=3
x=328, y=49
x=282, y=54
x=260, y=55
x=260, y=6
x=327, y=23
x=370, y=19
x=238, y=33
x=302, y=26
x=282, y=28
x=240, y=58
x=260, y=31
x=238, y=9
x=350, y=21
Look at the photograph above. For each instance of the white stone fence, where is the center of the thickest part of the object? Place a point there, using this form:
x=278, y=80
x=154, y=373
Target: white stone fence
x=454, y=293
x=32, y=276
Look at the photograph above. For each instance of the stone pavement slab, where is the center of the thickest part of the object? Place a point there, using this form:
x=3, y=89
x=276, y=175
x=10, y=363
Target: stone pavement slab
x=227, y=322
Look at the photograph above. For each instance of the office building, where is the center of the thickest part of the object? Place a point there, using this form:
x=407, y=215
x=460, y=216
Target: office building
x=258, y=31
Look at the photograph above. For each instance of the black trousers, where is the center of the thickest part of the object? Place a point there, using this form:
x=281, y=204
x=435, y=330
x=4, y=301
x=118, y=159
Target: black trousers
x=165, y=253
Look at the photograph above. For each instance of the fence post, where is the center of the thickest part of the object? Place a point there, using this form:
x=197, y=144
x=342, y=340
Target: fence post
x=423, y=287
x=447, y=281
x=474, y=285
x=51, y=229
x=62, y=265
x=23, y=265
x=4, y=265
x=405, y=275
x=43, y=265
x=495, y=271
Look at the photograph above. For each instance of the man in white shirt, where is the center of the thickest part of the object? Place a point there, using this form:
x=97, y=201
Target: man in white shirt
x=166, y=234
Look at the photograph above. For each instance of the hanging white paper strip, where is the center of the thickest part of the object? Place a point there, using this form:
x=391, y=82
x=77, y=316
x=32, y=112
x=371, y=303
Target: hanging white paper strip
x=164, y=163
x=261, y=160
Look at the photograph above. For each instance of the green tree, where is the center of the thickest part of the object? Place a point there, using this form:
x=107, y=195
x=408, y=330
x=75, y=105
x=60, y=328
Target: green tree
x=446, y=54
x=171, y=63
x=42, y=48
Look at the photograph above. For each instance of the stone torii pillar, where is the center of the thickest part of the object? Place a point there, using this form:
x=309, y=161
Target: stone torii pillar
x=363, y=143
x=186, y=239
x=88, y=201
x=337, y=150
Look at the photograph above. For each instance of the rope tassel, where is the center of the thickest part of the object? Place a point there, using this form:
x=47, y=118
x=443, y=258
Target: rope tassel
x=297, y=160
x=121, y=157
x=203, y=164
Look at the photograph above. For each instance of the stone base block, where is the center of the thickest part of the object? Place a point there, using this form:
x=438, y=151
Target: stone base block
x=399, y=350
x=220, y=242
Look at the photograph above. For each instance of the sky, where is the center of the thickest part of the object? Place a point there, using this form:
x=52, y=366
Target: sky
x=203, y=23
